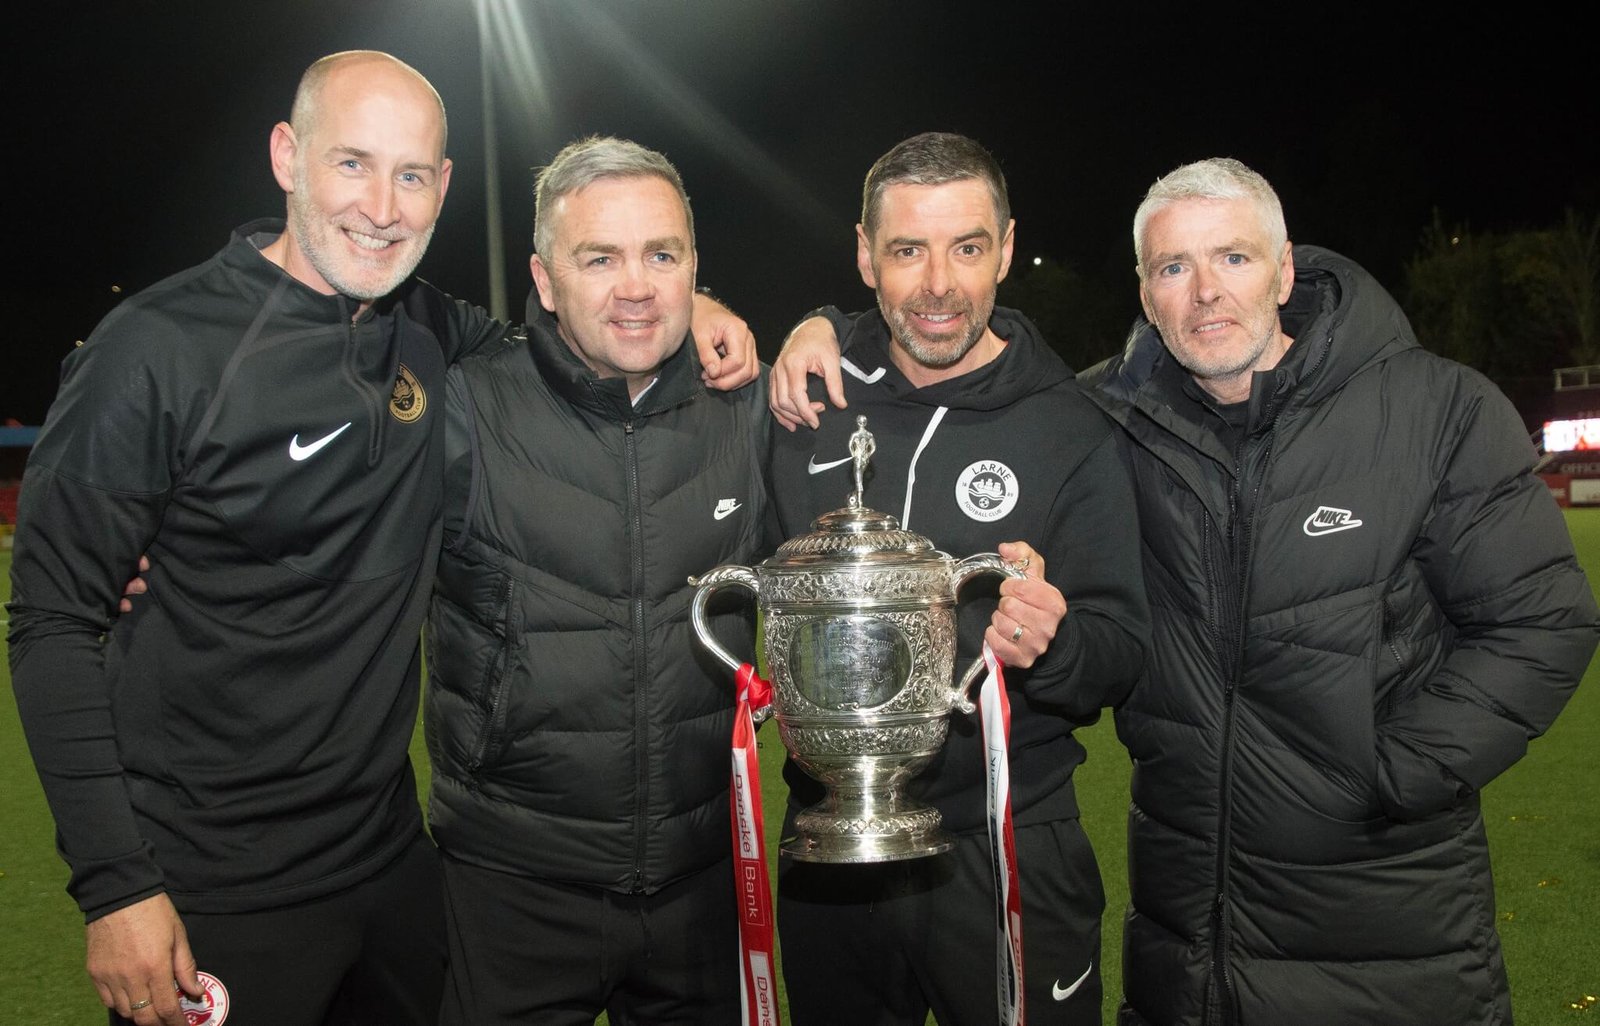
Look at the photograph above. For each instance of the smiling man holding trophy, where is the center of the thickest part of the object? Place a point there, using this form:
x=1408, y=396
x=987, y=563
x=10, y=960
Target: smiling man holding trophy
x=979, y=436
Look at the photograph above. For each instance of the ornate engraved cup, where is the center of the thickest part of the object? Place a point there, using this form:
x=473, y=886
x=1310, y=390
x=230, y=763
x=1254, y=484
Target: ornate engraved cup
x=860, y=637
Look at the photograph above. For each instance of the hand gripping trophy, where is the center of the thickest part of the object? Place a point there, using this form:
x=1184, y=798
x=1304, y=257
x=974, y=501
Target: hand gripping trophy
x=860, y=639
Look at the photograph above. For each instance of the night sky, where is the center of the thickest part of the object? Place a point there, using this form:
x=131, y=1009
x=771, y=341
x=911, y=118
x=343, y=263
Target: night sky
x=139, y=134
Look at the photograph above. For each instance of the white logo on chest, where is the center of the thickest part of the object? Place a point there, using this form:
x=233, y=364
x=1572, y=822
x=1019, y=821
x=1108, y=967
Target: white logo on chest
x=1329, y=520
x=298, y=452
x=987, y=490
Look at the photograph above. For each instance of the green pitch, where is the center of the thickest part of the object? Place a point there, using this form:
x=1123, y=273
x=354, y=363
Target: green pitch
x=1544, y=832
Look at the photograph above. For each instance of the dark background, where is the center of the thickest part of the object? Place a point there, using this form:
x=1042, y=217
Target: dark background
x=138, y=130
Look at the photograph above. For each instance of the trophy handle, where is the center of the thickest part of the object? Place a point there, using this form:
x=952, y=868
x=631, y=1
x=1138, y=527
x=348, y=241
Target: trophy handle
x=705, y=584
x=972, y=566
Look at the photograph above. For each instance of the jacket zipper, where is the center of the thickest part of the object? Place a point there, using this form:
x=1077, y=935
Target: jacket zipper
x=373, y=400
x=641, y=676
x=1388, y=636
x=1244, y=516
x=497, y=689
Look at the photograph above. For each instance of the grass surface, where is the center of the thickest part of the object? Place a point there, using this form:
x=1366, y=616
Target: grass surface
x=1542, y=816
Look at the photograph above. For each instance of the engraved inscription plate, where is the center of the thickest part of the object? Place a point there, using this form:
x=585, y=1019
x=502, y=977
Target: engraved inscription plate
x=849, y=662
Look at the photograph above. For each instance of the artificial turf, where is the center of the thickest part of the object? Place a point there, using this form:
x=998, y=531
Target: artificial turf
x=1542, y=816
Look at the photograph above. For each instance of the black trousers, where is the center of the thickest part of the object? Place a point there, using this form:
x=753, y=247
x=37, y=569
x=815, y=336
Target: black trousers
x=371, y=955
x=883, y=944
x=537, y=953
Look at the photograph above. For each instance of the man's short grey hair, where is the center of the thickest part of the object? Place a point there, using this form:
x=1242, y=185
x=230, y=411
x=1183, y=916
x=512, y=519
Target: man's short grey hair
x=308, y=95
x=587, y=161
x=1217, y=178
x=933, y=158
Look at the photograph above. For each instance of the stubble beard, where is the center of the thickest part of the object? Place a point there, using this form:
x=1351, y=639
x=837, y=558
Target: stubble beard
x=1212, y=368
x=941, y=352
x=316, y=234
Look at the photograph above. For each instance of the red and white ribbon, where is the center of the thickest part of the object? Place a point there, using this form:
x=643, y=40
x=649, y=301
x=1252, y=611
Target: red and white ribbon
x=758, y=985
x=995, y=710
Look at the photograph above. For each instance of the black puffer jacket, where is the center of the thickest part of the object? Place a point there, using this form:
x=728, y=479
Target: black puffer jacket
x=1364, y=608
x=578, y=732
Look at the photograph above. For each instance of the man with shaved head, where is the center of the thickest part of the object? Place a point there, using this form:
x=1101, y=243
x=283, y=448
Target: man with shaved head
x=227, y=762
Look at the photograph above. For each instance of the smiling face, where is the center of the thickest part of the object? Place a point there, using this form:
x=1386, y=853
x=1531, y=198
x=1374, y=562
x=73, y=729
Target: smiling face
x=365, y=181
x=936, y=257
x=1212, y=285
x=620, y=275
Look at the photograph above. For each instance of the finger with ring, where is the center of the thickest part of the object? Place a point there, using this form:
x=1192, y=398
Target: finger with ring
x=139, y=1004
x=1016, y=635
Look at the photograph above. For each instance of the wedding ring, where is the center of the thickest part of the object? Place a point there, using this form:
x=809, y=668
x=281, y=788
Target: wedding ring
x=1016, y=635
x=139, y=1004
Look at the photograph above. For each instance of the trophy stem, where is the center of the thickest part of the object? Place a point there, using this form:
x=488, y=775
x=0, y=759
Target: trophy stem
x=866, y=823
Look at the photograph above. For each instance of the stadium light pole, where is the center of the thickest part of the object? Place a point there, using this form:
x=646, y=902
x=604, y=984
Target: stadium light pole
x=491, y=175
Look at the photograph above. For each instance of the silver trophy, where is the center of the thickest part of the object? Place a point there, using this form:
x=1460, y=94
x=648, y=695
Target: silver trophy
x=859, y=625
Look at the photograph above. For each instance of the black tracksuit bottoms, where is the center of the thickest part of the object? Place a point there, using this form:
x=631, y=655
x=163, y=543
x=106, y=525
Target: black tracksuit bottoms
x=533, y=952
x=883, y=944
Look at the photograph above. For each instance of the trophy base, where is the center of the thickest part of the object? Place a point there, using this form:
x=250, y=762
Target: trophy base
x=824, y=833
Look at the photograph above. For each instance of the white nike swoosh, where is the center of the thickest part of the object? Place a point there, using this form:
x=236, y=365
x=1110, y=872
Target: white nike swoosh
x=720, y=512
x=1317, y=529
x=814, y=467
x=298, y=452
x=1061, y=993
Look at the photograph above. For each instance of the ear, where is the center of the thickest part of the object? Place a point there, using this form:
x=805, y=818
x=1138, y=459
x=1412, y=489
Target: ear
x=283, y=147
x=541, y=281
x=1286, y=272
x=864, y=258
x=1006, y=246
x=444, y=183
x=1144, y=301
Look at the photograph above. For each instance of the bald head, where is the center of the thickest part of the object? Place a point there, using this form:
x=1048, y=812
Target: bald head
x=364, y=66
x=363, y=167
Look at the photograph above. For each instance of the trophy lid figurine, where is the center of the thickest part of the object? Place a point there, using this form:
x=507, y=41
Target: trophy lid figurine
x=860, y=639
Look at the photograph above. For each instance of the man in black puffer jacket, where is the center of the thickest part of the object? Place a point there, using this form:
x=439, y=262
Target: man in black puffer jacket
x=1365, y=606
x=579, y=736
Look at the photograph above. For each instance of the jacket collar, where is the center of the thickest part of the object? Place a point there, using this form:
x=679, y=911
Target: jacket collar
x=677, y=382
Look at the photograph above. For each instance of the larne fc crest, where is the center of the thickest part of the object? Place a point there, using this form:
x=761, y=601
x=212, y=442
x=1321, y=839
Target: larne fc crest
x=987, y=490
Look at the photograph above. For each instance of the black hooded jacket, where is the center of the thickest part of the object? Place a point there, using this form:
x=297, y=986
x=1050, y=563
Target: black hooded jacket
x=1365, y=606
x=1012, y=451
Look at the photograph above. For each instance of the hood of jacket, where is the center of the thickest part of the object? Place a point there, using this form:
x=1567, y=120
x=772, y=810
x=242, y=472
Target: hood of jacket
x=1342, y=321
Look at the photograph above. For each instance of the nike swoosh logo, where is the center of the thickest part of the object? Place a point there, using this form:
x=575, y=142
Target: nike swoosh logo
x=814, y=467
x=723, y=511
x=298, y=452
x=1061, y=993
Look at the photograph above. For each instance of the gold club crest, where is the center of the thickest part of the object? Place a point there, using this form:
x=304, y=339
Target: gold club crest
x=409, y=400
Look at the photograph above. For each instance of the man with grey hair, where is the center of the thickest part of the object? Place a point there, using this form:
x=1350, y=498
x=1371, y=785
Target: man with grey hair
x=228, y=763
x=579, y=736
x=1365, y=607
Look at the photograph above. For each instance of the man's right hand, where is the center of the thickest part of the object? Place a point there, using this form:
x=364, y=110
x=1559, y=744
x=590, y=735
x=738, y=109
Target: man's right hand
x=136, y=954
x=811, y=348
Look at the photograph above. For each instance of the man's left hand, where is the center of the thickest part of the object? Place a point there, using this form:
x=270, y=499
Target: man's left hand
x=135, y=587
x=725, y=344
x=1032, y=604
